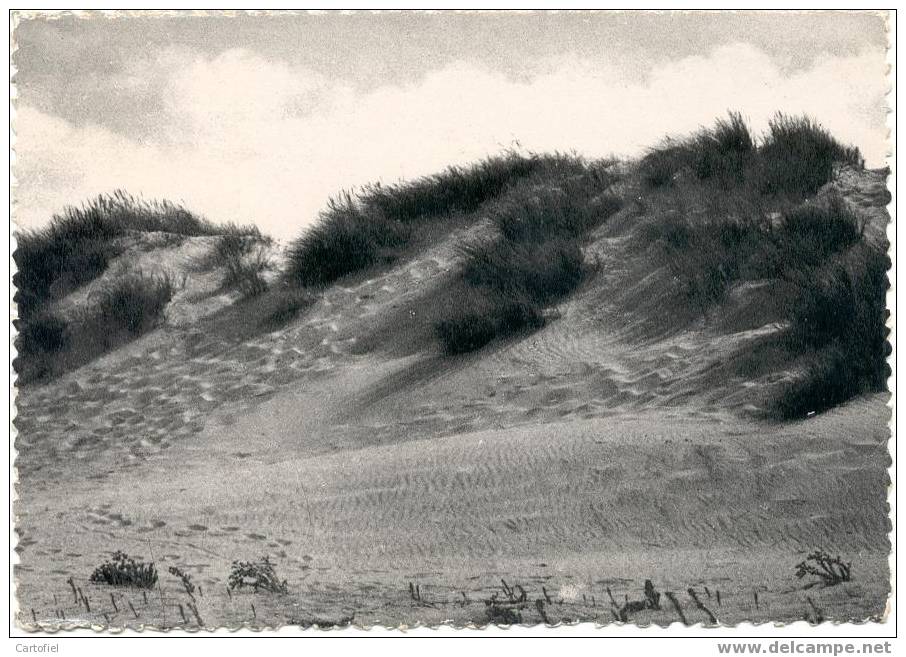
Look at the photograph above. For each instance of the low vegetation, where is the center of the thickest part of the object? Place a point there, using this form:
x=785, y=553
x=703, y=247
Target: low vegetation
x=256, y=575
x=506, y=285
x=78, y=244
x=838, y=330
x=377, y=224
x=795, y=157
x=123, y=570
x=242, y=253
x=50, y=344
x=75, y=248
x=746, y=212
x=133, y=304
x=829, y=570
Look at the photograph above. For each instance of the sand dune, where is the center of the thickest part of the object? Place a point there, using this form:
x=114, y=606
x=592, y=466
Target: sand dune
x=580, y=458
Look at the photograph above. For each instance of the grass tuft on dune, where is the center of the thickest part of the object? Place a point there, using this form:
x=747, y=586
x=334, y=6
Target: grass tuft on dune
x=377, y=224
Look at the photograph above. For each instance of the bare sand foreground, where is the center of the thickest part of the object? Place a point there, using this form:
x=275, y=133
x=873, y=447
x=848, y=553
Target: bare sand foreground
x=391, y=486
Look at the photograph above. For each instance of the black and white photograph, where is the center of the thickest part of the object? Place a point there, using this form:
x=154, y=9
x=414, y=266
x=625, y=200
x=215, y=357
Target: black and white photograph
x=324, y=321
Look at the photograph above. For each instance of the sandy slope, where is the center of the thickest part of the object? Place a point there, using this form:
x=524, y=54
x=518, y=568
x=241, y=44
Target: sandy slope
x=578, y=459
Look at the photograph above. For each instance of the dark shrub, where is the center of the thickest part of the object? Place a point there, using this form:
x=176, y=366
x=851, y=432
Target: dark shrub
x=245, y=273
x=567, y=210
x=660, y=165
x=256, y=575
x=798, y=155
x=347, y=239
x=814, y=231
x=42, y=333
x=725, y=151
x=722, y=153
x=477, y=315
x=708, y=255
x=123, y=570
x=543, y=272
x=505, y=284
x=457, y=189
x=134, y=303
x=503, y=289
x=838, y=323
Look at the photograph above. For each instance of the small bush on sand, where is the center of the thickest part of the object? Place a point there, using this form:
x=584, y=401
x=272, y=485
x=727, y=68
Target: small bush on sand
x=830, y=570
x=707, y=256
x=235, y=243
x=540, y=272
x=134, y=303
x=123, y=570
x=257, y=575
x=557, y=212
x=116, y=314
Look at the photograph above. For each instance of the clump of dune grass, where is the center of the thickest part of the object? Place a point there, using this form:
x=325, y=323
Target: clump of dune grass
x=456, y=189
x=835, y=286
x=722, y=153
x=242, y=254
x=133, y=303
x=707, y=255
x=838, y=330
x=45, y=332
x=795, y=157
x=246, y=272
x=816, y=230
x=798, y=154
x=123, y=570
x=375, y=225
x=127, y=307
x=829, y=570
x=257, y=575
x=506, y=285
x=349, y=237
x=76, y=246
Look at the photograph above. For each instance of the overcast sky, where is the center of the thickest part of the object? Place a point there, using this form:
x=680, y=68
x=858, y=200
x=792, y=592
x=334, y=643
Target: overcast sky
x=262, y=118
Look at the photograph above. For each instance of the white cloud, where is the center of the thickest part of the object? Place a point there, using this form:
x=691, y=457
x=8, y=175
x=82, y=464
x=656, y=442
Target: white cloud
x=250, y=140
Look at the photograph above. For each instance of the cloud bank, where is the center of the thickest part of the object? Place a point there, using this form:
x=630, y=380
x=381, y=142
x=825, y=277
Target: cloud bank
x=242, y=138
